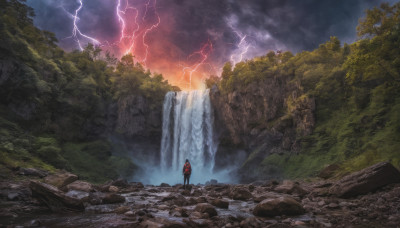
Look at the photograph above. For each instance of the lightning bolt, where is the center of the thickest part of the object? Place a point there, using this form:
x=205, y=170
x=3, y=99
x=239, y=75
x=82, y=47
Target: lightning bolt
x=149, y=29
x=242, y=48
x=141, y=28
x=203, y=53
x=76, y=32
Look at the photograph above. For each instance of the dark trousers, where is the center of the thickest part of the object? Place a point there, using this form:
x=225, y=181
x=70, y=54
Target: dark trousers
x=186, y=177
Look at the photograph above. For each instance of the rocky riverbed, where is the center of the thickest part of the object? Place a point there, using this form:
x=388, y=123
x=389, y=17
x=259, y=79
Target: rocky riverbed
x=369, y=198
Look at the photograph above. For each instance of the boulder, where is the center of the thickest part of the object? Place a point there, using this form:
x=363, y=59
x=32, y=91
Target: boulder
x=120, y=183
x=290, y=187
x=80, y=186
x=113, y=188
x=164, y=185
x=266, y=195
x=32, y=172
x=220, y=203
x=366, y=180
x=240, y=193
x=279, y=206
x=113, y=198
x=186, y=192
x=206, y=208
x=328, y=171
x=60, y=179
x=54, y=198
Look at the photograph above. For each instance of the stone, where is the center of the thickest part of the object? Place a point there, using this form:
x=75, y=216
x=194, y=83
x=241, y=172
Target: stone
x=206, y=208
x=328, y=171
x=112, y=198
x=279, y=206
x=150, y=224
x=366, y=180
x=186, y=192
x=240, y=193
x=60, y=179
x=113, y=188
x=121, y=209
x=129, y=213
x=164, y=185
x=250, y=222
x=220, y=203
x=80, y=186
x=120, y=183
x=266, y=195
x=54, y=198
x=290, y=187
x=32, y=172
x=80, y=195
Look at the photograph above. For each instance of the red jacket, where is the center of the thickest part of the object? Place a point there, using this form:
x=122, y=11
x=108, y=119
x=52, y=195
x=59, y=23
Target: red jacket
x=187, y=168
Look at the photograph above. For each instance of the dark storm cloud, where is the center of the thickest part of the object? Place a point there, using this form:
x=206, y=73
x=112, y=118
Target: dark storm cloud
x=96, y=19
x=302, y=25
x=268, y=24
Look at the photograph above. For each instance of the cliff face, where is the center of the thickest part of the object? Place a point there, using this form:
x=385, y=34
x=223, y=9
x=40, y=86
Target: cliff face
x=262, y=118
x=135, y=117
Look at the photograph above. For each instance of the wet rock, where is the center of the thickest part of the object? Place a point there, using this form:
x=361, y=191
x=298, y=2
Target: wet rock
x=197, y=222
x=179, y=212
x=278, y=206
x=175, y=199
x=112, y=198
x=206, y=208
x=241, y=193
x=220, y=203
x=250, y=222
x=99, y=209
x=137, y=184
x=129, y=213
x=186, y=192
x=120, y=183
x=197, y=193
x=54, y=198
x=121, y=209
x=266, y=195
x=164, y=185
x=60, y=179
x=211, y=182
x=12, y=195
x=96, y=198
x=150, y=224
x=80, y=186
x=32, y=172
x=366, y=180
x=80, y=195
x=333, y=206
x=290, y=187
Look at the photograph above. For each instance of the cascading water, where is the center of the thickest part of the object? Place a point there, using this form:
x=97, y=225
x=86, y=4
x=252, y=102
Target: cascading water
x=187, y=134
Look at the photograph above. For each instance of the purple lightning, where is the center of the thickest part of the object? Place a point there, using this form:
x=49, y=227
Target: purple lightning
x=76, y=33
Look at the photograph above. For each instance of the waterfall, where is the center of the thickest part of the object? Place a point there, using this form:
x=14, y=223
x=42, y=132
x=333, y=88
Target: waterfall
x=187, y=133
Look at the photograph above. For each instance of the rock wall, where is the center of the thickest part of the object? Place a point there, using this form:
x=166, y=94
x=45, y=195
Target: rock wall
x=263, y=117
x=135, y=118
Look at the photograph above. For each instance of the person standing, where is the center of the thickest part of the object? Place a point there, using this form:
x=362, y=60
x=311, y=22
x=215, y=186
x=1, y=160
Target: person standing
x=187, y=170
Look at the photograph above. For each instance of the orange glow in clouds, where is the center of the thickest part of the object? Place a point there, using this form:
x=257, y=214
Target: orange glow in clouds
x=139, y=22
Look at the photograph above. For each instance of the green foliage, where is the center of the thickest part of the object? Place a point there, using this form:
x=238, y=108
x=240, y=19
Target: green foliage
x=92, y=161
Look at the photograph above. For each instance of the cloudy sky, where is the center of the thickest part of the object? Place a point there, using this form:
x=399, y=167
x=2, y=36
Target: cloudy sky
x=173, y=36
